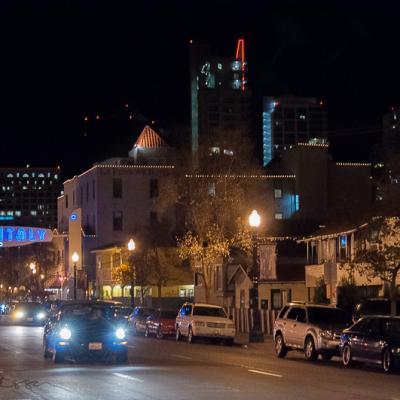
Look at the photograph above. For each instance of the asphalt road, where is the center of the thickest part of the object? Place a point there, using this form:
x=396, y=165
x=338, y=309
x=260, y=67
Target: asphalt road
x=164, y=369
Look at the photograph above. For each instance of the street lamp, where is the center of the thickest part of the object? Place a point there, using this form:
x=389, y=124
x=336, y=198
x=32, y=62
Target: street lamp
x=256, y=334
x=131, y=248
x=75, y=259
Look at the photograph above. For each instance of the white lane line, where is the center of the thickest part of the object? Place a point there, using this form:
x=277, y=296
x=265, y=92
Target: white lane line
x=265, y=373
x=130, y=378
x=180, y=356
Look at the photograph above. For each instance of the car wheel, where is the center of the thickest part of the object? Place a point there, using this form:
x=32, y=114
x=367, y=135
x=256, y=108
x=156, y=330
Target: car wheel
x=280, y=348
x=387, y=361
x=309, y=349
x=58, y=358
x=159, y=334
x=347, y=357
x=326, y=357
x=178, y=336
x=190, y=337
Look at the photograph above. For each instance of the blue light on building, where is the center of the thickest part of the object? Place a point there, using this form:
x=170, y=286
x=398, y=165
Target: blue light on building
x=268, y=108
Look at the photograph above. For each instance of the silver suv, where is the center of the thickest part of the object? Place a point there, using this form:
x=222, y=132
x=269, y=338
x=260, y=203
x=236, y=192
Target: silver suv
x=311, y=328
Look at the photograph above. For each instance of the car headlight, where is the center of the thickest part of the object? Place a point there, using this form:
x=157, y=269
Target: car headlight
x=199, y=323
x=396, y=350
x=326, y=334
x=19, y=314
x=120, y=333
x=65, y=333
x=41, y=315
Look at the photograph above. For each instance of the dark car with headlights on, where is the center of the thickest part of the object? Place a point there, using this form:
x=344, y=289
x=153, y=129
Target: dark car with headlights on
x=86, y=330
x=161, y=323
x=29, y=313
x=372, y=340
x=313, y=329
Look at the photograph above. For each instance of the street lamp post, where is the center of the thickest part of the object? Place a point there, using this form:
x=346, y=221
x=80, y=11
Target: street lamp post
x=256, y=334
x=131, y=248
x=75, y=259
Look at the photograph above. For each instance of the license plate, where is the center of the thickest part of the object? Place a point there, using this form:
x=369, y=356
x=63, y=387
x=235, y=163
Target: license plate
x=29, y=319
x=95, y=346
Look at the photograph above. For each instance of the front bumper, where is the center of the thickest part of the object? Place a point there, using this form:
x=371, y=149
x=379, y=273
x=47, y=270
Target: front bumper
x=224, y=333
x=83, y=350
x=331, y=346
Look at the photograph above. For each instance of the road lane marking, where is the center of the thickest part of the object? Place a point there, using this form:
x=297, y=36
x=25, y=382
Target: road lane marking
x=130, y=378
x=255, y=371
x=181, y=356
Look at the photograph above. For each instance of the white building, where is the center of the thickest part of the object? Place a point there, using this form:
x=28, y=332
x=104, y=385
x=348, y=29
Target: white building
x=113, y=200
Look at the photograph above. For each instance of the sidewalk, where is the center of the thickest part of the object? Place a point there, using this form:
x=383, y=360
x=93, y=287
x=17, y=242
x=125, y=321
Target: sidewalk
x=242, y=339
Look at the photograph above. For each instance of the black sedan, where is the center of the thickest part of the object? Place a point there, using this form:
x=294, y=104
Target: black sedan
x=86, y=330
x=373, y=339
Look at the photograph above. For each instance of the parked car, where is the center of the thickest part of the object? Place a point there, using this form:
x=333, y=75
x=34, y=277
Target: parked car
x=313, y=329
x=377, y=306
x=138, y=319
x=29, y=313
x=373, y=339
x=204, y=320
x=85, y=330
x=161, y=323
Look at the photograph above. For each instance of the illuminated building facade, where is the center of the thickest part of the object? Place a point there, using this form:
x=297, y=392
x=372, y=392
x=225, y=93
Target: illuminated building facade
x=220, y=99
x=288, y=120
x=28, y=196
x=112, y=201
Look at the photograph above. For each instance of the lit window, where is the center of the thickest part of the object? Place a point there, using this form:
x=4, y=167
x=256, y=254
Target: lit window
x=10, y=213
x=55, y=176
x=25, y=176
x=33, y=212
x=41, y=176
x=228, y=152
x=17, y=213
x=278, y=193
x=297, y=202
x=302, y=116
x=278, y=215
x=214, y=150
x=219, y=66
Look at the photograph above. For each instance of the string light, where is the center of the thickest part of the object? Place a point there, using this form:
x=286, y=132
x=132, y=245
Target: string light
x=313, y=144
x=244, y=176
x=350, y=164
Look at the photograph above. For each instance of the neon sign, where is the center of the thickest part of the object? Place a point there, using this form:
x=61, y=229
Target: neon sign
x=20, y=236
x=73, y=217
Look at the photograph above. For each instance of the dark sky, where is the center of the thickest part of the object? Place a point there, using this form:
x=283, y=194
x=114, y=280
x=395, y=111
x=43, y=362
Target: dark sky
x=63, y=60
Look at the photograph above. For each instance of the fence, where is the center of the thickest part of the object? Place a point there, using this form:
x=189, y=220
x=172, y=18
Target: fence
x=243, y=319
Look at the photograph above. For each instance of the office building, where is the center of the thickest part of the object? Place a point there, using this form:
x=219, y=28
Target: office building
x=288, y=120
x=220, y=98
x=28, y=196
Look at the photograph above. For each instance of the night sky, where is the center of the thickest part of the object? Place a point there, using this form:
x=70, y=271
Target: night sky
x=64, y=60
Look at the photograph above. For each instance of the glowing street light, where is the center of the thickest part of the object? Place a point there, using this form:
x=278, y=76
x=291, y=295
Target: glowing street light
x=32, y=265
x=254, y=219
x=75, y=259
x=256, y=334
x=131, y=247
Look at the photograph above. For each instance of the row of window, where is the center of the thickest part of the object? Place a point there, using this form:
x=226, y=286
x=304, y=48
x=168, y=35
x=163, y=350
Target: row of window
x=32, y=174
x=118, y=220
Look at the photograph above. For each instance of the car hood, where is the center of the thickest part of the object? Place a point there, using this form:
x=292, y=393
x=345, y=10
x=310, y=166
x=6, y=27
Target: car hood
x=332, y=326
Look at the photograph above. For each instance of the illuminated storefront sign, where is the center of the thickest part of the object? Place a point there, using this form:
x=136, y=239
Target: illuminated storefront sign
x=20, y=235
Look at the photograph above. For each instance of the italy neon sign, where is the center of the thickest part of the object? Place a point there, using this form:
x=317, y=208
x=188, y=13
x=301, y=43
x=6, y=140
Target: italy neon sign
x=20, y=235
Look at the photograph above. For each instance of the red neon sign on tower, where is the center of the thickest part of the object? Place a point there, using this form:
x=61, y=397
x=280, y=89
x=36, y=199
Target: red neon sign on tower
x=240, y=57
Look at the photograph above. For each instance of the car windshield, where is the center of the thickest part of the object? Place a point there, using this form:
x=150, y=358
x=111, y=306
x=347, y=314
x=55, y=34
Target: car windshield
x=318, y=315
x=29, y=306
x=86, y=313
x=144, y=312
x=209, y=311
x=392, y=327
x=122, y=312
x=168, y=314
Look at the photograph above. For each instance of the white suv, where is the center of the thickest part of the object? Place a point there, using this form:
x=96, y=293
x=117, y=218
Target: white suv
x=204, y=320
